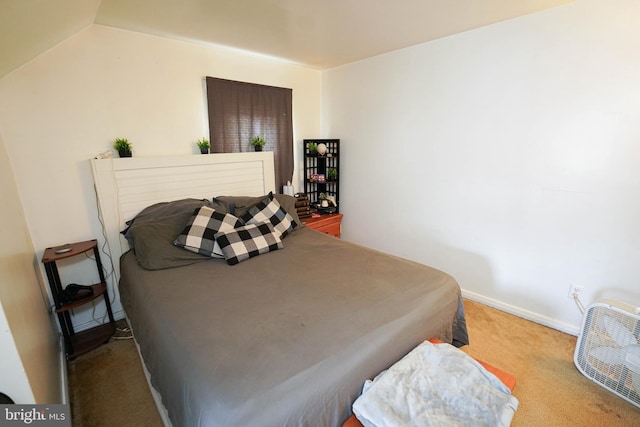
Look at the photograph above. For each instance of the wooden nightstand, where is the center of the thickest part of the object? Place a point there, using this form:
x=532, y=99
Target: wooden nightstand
x=77, y=343
x=328, y=224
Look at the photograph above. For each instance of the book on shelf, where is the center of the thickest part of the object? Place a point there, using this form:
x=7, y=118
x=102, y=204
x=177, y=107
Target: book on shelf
x=303, y=211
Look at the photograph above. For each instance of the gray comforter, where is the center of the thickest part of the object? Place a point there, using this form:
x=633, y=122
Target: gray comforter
x=286, y=338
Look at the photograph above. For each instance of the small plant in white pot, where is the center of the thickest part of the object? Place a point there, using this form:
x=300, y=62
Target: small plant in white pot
x=324, y=201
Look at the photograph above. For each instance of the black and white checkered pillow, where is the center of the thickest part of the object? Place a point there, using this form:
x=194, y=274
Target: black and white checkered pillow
x=269, y=210
x=248, y=241
x=199, y=234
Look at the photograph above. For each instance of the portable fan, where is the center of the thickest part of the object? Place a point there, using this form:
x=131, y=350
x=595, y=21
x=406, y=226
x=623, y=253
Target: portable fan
x=608, y=348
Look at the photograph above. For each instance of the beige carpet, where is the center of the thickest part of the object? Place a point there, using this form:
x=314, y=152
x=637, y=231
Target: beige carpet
x=551, y=391
x=108, y=387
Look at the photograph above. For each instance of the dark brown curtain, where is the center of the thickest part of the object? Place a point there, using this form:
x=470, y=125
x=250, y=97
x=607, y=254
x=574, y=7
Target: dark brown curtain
x=238, y=111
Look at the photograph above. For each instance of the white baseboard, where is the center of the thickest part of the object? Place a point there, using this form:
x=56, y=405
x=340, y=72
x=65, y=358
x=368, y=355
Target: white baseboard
x=64, y=379
x=525, y=314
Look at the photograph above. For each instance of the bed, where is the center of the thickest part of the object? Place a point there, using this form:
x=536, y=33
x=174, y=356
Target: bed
x=284, y=338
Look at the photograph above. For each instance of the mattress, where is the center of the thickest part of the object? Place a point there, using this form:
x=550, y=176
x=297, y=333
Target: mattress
x=286, y=338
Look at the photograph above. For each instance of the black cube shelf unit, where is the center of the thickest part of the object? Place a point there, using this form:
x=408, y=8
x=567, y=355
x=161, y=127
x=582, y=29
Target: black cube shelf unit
x=322, y=172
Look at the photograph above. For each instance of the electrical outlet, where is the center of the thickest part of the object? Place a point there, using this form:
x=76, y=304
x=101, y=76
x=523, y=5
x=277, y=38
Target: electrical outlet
x=575, y=289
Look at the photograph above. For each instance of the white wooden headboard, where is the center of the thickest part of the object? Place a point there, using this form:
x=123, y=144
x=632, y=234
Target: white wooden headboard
x=126, y=186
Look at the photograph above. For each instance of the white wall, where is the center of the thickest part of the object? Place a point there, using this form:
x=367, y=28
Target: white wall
x=30, y=371
x=507, y=156
x=69, y=103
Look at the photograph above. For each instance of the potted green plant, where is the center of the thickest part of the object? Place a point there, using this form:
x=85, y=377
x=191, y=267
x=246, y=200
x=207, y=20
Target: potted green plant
x=324, y=201
x=312, y=147
x=122, y=146
x=258, y=142
x=332, y=174
x=203, y=145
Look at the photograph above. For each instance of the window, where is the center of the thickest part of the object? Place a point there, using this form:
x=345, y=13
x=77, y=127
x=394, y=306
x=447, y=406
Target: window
x=238, y=111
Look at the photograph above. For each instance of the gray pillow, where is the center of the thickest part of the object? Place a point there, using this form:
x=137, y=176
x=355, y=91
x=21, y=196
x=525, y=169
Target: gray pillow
x=239, y=205
x=153, y=242
x=164, y=209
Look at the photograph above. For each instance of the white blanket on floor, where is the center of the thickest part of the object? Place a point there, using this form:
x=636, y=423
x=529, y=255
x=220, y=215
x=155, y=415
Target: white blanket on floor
x=435, y=385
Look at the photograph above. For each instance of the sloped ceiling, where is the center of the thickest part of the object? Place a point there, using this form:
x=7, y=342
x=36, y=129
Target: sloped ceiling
x=316, y=33
x=30, y=27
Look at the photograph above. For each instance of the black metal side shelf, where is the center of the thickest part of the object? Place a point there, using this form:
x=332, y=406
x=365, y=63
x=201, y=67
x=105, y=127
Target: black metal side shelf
x=84, y=341
x=322, y=172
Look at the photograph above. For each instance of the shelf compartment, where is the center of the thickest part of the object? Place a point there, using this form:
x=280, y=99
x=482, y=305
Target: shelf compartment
x=98, y=290
x=85, y=341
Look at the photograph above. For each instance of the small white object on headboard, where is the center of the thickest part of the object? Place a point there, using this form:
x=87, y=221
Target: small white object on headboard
x=126, y=186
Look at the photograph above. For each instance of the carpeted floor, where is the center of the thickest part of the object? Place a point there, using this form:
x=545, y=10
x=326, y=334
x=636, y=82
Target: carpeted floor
x=551, y=390
x=108, y=388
